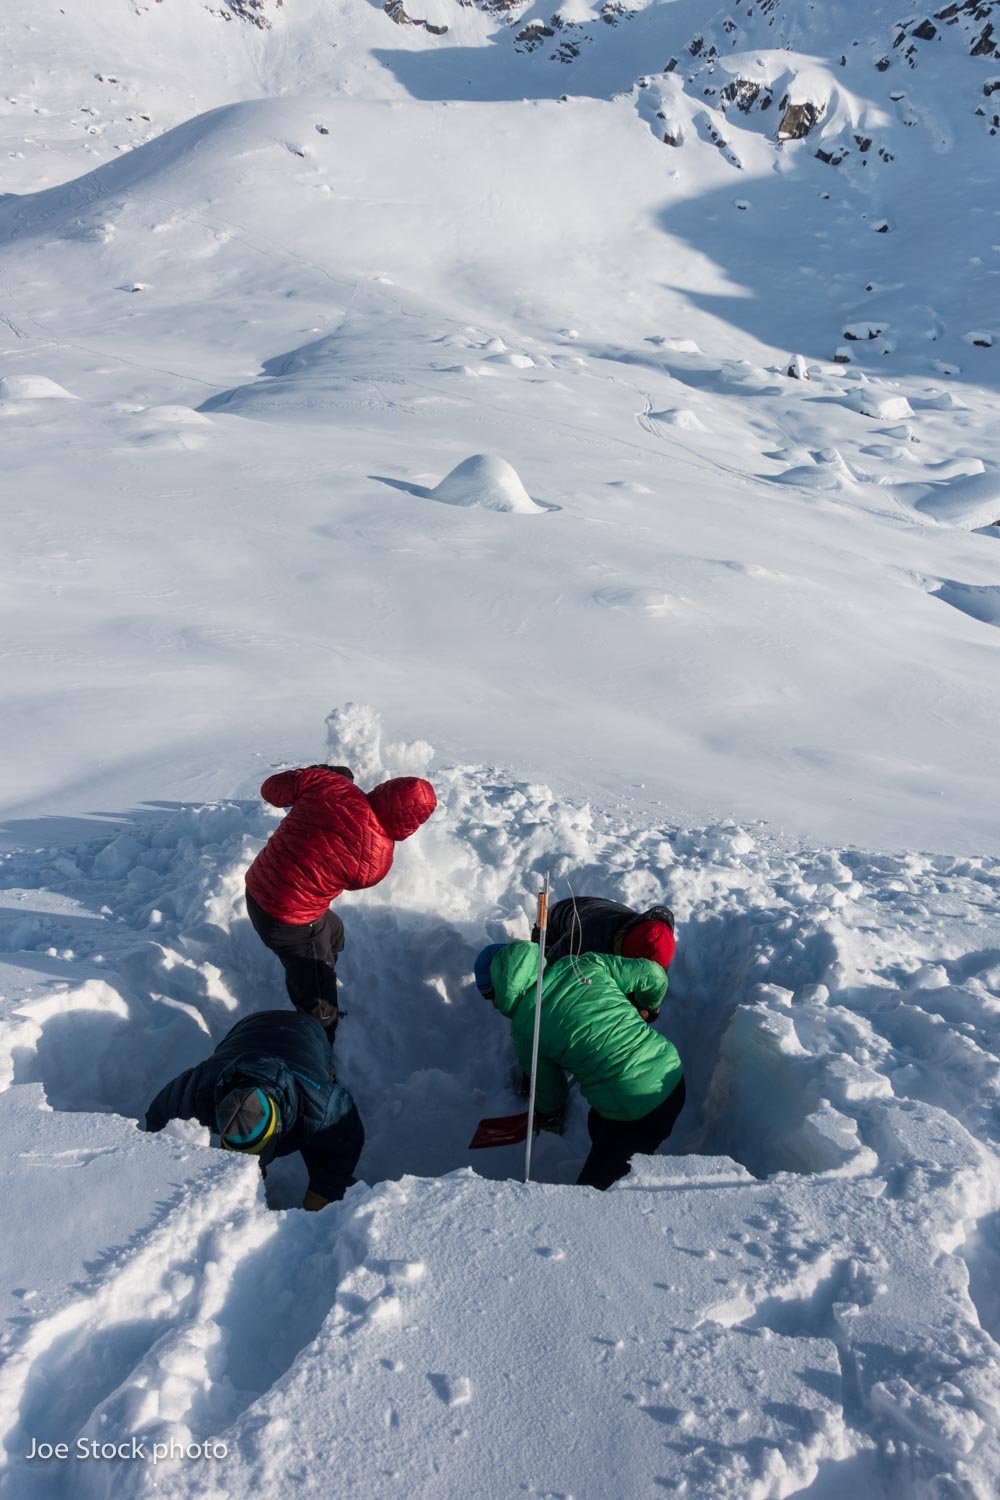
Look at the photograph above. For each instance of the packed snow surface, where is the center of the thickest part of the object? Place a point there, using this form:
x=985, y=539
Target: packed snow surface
x=286, y=266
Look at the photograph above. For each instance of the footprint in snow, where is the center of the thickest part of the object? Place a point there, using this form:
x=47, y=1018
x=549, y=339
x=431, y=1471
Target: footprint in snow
x=453, y=1390
x=399, y=1270
x=637, y=600
x=675, y=345
x=78, y=1156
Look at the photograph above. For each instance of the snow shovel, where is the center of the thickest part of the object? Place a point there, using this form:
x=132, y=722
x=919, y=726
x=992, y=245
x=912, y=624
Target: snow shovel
x=501, y=1130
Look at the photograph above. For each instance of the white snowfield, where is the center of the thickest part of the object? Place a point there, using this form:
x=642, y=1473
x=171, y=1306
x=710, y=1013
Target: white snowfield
x=610, y=396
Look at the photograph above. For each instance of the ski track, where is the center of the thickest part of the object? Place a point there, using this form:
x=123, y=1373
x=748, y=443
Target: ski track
x=852, y=992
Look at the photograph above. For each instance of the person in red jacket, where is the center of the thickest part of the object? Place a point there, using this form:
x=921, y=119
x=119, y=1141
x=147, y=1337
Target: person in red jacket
x=335, y=838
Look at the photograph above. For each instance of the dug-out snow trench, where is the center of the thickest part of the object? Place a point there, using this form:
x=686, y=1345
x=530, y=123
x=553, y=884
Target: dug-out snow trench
x=171, y=962
x=147, y=958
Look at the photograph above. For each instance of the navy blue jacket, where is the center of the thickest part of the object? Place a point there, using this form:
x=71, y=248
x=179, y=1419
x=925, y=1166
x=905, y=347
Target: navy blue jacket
x=288, y=1053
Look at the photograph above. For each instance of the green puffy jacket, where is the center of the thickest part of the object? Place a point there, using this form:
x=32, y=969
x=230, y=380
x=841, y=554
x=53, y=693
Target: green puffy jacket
x=591, y=1029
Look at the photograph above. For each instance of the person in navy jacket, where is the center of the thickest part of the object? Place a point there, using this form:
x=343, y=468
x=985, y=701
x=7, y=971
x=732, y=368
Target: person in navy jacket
x=335, y=838
x=268, y=1090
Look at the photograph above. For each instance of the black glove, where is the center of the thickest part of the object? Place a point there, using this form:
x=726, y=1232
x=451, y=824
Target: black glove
x=554, y=1120
x=323, y=765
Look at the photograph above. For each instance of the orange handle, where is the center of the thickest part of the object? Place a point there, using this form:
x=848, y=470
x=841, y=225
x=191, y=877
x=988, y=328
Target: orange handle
x=543, y=910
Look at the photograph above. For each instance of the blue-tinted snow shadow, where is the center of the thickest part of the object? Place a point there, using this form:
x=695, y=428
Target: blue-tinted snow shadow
x=423, y=493
x=505, y=70
x=801, y=257
x=420, y=490
x=62, y=830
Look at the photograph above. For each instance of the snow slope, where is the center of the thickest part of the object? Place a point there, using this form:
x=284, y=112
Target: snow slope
x=346, y=368
x=712, y=619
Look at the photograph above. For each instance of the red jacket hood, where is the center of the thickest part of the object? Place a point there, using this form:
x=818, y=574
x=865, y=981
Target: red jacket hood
x=650, y=940
x=402, y=805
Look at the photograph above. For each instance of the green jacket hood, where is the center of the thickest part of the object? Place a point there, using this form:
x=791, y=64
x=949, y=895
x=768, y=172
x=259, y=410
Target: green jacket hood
x=514, y=972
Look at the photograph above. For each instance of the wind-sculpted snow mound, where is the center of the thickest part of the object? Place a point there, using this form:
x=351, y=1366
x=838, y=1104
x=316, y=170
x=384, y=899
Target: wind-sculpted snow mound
x=487, y=483
x=800, y=1284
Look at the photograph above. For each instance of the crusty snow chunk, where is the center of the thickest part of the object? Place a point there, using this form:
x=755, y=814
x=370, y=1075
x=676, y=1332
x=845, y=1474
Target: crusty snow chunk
x=874, y=403
x=488, y=482
x=31, y=388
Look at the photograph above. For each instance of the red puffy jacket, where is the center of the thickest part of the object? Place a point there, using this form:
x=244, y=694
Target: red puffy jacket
x=336, y=838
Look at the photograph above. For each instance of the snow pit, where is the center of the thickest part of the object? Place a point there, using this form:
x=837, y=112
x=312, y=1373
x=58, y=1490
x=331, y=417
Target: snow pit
x=800, y=1221
x=487, y=483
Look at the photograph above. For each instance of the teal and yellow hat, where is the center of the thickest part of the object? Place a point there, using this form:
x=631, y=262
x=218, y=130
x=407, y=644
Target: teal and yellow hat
x=247, y=1119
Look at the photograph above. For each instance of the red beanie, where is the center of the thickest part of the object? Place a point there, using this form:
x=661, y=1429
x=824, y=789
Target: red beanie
x=650, y=940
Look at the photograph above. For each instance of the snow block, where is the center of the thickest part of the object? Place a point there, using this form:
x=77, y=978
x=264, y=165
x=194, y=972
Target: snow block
x=872, y=403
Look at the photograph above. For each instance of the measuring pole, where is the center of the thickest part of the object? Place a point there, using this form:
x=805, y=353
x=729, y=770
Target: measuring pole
x=543, y=922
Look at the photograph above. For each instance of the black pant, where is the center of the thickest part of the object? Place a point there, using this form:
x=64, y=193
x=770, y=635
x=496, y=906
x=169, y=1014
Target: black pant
x=308, y=954
x=331, y=1172
x=615, y=1142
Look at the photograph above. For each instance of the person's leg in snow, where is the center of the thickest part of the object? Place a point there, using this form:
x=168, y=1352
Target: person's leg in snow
x=615, y=1142
x=308, y=955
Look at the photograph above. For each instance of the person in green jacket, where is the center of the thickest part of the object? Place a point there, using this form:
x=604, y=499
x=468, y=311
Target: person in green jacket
x=596, y=1014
